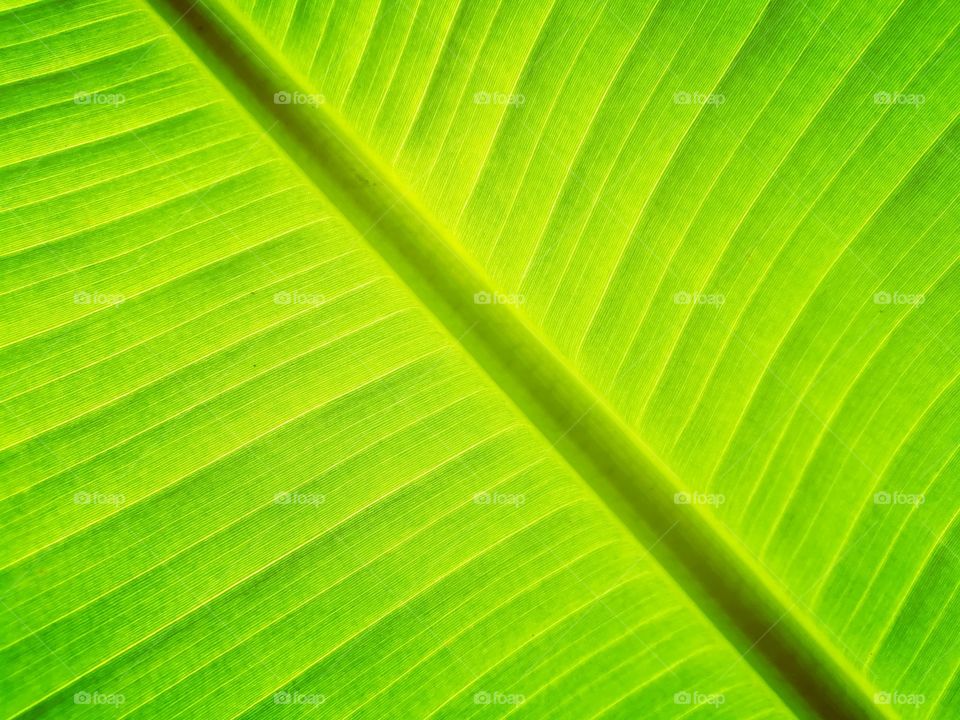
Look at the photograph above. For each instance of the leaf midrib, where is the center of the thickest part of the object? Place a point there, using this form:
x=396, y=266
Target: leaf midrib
x=743, y=602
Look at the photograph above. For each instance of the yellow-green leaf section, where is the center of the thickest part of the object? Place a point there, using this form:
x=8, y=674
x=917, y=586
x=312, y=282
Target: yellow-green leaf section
x=422, y=359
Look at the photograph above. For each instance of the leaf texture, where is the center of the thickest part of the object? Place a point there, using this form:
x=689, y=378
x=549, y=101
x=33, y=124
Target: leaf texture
x=263, y=454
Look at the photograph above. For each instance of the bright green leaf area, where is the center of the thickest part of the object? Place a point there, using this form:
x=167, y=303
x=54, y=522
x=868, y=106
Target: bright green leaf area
x=437, y=359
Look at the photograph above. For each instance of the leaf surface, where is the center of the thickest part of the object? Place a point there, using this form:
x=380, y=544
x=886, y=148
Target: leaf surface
x=267, y=451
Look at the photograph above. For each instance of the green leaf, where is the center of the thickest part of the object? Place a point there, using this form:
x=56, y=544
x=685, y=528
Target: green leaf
x=475, y=359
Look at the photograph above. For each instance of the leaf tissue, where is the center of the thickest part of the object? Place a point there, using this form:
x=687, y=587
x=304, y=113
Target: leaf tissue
x=468, y=359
